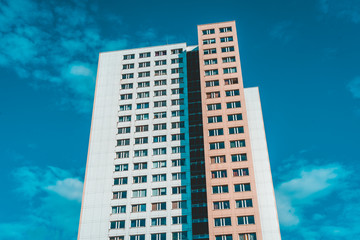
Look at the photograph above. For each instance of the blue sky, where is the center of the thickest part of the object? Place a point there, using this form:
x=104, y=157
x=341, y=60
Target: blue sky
x=304, y=56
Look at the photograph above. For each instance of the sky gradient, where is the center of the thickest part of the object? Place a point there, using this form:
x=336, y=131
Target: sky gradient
x=303, y=55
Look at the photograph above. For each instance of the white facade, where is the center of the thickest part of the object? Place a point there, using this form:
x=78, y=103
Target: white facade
x=98, y=199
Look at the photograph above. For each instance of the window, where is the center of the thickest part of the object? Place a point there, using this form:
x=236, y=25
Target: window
x=208, y=31
x=144, y=55
x=144, y=116
x=139, y=193
x=177, y=70
x=216, y=132
x=225, y=29
x=143, y=74
x=141, y=140
x=214, y=119
x=128, y=76
x=125, y=107
x=176, y=51
x=240, y=172
x=238, y=157
x=139, y=166
x=179, y=176
x=210, y=61
x=143, y=84
x=211, y=72
x=179, y=220
x=144, y=64
x=142, y=105
x=137, y=237
x=217, y=145
x=128, y=66
x=228, y=59
x=127, y=86
x=237, y=143
x=215, y=106
x=243, y=220
x=159, y=151
x=159, y=115
x=117, y=238
x=140, y=179
x=178, y=125
x=233, y=104
x=123, y=142
x=158, y=221
x=159, y=191
x=118, y=209
x=223, y=237
x=159, y=93
x=138, y=208
x=121, y=167
x=236, y=130
x=227, y=39
x=123, y=130
x=209, y=51
x=129, y=56
x=179, y=204
x=221, y=222
x=213, y=95
x=160, y=104
x=176, y=60
x=229, y=70
x=160, y=53
x=176, y=102
x=141, y=153
x=235, y=117
x=242, y=187
x=231, y=93
x=159, y=164
x=158, y=206
x=218, y=174
x=231, y=81
x=178, y=162
x=142, y=128
x=227, y=49
x=177, y=113
x=124, y=154
x=137, y=223
x=160, y=82
x=159, y=177
x=178, y=149
x=212, y=83
x=126, y=96
x=120, y=181
x=117, y=224
x=161, y=138
x=247, y=236
x=209, y=41
x=160, y=62
x=177, y=91
x=177, y=137
x=178, y=190
x=177, y=80
x=120, y=195
x=218, y=159
x=221, y=205
x=244, y=203
x=159, y=126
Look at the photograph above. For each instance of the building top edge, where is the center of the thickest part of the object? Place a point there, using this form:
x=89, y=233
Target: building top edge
x=217, y=23
x=147, y=48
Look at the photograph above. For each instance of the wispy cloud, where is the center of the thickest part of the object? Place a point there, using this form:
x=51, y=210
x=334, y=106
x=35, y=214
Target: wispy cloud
x=51, y=205
x=282, y=31
x=354, y=87
x=345, y=9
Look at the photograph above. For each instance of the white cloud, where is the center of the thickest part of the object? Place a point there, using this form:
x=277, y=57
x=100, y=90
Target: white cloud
x=344, y=9
x=70, y=188
x=354, y=87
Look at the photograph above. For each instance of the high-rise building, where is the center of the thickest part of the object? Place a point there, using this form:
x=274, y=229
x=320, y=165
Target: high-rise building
x=177, y=146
